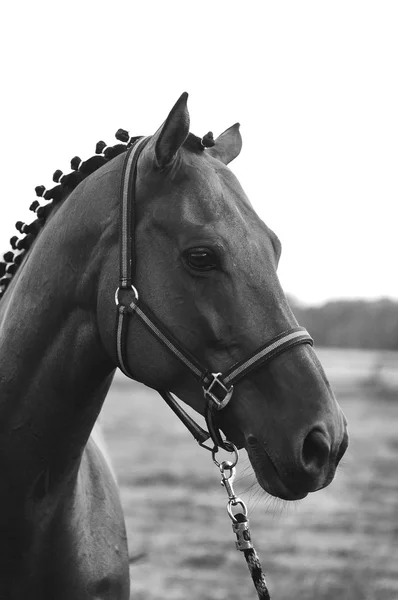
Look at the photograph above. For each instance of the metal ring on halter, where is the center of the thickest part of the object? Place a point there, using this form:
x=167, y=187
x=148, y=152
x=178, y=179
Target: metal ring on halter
x=234, y=450
x=235, y=502
x=135, y=291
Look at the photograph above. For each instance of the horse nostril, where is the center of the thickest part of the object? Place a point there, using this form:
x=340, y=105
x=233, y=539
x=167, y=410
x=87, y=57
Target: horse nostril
x=316, y=450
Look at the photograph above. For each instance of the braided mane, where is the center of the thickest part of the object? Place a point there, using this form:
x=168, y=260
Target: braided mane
x=65, y=185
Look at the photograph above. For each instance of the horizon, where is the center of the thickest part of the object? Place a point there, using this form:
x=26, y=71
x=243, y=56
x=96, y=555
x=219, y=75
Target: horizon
x=292, y=299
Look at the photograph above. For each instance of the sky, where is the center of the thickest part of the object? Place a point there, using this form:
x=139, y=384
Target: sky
x=313, y=83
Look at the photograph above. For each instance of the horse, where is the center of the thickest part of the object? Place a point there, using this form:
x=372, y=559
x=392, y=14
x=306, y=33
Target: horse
x=205, y=266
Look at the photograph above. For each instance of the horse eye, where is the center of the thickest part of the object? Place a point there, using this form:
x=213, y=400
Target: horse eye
x=201, y=259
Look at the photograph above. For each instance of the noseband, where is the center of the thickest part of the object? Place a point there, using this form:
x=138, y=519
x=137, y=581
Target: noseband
x=217, y=387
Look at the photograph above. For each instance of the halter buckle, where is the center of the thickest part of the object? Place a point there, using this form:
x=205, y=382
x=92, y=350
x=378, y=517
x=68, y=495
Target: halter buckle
x=215, y=389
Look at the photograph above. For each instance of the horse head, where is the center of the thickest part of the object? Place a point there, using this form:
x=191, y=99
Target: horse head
x=206, y=265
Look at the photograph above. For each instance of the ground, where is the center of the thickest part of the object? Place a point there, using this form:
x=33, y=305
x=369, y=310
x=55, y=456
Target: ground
x=341, y=542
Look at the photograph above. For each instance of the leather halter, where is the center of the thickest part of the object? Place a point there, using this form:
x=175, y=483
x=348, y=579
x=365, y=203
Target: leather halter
x=217, y=387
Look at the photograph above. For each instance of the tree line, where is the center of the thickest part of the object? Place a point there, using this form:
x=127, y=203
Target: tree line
x=351, y=323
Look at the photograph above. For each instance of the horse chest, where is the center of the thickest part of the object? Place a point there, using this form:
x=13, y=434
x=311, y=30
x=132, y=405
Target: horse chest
x=89, y=540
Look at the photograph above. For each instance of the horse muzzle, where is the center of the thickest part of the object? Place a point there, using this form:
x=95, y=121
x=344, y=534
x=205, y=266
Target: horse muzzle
x=312, y=467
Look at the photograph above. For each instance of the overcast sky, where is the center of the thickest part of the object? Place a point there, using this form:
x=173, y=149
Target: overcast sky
x=313, y=84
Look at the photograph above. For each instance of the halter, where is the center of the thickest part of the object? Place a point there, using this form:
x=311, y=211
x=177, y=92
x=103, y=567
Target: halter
x=217, y=387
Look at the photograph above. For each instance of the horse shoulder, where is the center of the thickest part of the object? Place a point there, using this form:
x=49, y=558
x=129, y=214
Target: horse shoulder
x=90, y=534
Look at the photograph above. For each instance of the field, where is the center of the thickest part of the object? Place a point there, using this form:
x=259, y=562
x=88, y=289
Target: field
x=339, y=543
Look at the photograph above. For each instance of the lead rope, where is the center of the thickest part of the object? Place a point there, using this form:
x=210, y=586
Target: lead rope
x=240, y=522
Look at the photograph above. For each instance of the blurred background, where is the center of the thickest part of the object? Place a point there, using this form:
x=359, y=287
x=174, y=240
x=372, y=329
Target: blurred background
x=314, y=85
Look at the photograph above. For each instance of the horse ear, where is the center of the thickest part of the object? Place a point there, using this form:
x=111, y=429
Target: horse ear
x=173, y=133
x=228, y=145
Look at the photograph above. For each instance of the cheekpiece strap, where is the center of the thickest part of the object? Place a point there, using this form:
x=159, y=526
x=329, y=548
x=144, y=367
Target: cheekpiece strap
x=127, y=205
x=125, y=293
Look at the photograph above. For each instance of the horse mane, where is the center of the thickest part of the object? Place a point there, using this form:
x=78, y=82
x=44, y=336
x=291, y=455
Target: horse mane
x=13, y=259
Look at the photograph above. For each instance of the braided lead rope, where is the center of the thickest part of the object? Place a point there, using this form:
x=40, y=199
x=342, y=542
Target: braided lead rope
x=240, y=522
x=257, y=574
x=253, y=562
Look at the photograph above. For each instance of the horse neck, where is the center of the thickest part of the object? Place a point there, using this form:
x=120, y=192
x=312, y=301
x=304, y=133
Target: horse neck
x=55, y=372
